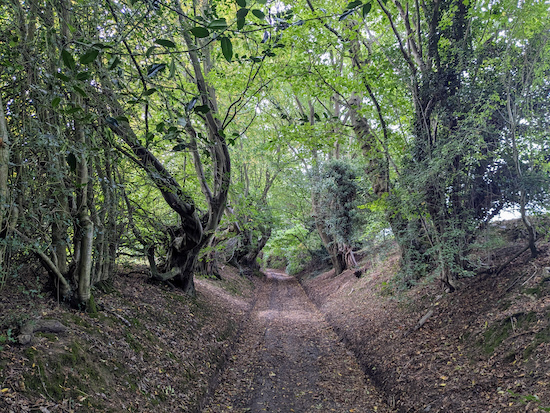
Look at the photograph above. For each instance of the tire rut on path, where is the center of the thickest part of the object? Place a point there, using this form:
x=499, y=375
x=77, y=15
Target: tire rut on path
x=288, y=359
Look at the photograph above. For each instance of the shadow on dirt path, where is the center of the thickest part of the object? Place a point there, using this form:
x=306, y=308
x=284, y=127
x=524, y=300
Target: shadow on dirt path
x=288, y=359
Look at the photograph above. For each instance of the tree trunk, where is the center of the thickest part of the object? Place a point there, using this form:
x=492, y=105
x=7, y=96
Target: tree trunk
x=4, y=195
x=83, y=271
x=338, y=259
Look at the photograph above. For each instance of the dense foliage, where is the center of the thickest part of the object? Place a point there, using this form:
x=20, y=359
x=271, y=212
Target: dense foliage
x=190, y=133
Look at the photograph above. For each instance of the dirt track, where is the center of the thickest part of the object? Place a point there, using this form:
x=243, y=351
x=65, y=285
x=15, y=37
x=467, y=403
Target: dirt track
x=288, y=359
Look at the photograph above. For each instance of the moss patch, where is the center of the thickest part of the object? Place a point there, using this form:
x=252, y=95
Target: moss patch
x=497, y=333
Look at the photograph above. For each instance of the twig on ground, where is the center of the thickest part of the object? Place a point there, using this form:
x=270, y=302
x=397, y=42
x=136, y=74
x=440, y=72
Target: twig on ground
x=421, y=322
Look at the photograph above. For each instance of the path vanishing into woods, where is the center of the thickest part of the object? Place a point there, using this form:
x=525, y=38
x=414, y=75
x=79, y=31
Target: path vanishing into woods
x=288, y=359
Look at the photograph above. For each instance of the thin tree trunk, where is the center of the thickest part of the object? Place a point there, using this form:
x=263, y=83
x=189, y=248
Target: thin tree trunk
x=84, y=265
x=4, y=195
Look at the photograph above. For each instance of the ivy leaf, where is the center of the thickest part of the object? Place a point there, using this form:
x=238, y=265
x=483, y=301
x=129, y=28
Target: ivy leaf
x=366, y=9
x=68, y=59
x=89, y=56
x=219, y=24
x=71, y=161
x=155, y=69
x=241, y=3
x=165, y=42
x=227, y=48
x=258, y=13
x=200, y=32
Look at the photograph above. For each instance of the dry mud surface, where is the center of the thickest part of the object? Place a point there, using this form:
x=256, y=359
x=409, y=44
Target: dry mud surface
x=288, y=359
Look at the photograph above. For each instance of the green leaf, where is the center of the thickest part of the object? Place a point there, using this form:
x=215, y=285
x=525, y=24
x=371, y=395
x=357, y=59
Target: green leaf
x=200, y=32
x=83, y=76
x=62, y=77
x=366, y=9
x=179, y=147
x=149, y=92
x=191, y=104
x=202, y=109
x=111, y=121
x=241, y=3
x=354, y=4
x=242, y=13
x=150, y=50
x=227, y=48
x=258, y=13
x=155, y=69
x=122, y=118
x=72, y=110
x=80, y=91
x=102, y=46
x=160, y=127
x=165, y=42
x=172, y=68
x=219, y=24
x=240, y=24
x=71, y=161
x=68, y=59
x=261, y=1
x=345, y=14
x=114, y=63
x=55, y=102
x=89, y=56
x=182, y=122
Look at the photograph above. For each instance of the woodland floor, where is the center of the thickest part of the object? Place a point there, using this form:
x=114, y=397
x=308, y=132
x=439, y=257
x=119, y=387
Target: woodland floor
x=326, y=343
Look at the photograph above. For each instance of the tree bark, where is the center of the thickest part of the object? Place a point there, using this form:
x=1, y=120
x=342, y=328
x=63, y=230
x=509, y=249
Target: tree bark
x=83, y=271
x=4, y=195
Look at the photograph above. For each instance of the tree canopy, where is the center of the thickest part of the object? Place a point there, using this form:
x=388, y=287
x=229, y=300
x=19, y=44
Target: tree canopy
x=190, y=133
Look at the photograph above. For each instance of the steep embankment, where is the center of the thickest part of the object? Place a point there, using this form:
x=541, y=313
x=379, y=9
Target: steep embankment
x=150, y=348
x=259, y=344
x=484, y=348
